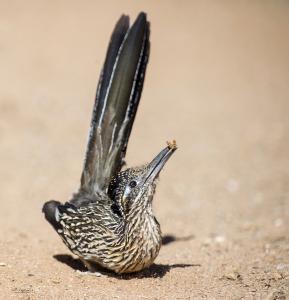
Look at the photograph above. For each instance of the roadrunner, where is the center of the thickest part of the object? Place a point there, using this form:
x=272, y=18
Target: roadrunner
x=109, y=222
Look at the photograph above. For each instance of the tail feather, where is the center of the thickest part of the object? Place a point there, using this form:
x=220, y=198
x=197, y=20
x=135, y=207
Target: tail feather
x=116, y=103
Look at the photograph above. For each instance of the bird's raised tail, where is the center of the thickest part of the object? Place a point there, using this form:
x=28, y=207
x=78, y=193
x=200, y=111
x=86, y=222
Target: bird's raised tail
x=116, y=102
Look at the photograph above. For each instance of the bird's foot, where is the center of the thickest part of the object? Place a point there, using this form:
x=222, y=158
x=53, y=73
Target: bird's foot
x=92, y=269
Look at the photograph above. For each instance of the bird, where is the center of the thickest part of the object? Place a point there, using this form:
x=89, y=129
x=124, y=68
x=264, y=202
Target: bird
x=109, y=222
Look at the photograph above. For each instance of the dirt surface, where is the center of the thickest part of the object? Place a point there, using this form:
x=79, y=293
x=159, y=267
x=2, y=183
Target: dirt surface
x=217, y=82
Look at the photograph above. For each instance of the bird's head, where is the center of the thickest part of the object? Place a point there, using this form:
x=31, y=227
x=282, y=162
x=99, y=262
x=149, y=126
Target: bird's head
x=133, y=189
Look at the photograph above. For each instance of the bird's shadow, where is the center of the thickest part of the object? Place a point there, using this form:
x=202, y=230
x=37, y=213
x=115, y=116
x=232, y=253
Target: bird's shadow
x=154, y=271
x=169, y=238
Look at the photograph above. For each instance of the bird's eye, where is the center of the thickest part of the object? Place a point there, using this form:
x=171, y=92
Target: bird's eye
x=132, y=184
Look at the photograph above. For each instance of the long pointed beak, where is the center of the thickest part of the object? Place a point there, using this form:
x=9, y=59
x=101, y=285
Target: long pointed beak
x=159, y=161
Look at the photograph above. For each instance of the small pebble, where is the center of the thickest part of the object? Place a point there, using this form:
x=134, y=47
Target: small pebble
x=56, y=281
x=277, y=276
x=220, y=239
x=278, y=222
x=234, y=275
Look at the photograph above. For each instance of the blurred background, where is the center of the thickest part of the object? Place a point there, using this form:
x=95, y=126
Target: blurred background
x=217, y=82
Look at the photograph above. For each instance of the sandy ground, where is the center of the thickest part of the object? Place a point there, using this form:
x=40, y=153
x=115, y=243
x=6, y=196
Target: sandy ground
x=217, y=82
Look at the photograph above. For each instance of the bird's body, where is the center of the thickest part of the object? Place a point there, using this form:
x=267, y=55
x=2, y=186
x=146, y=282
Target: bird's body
x=97, y=233
x=110, y=222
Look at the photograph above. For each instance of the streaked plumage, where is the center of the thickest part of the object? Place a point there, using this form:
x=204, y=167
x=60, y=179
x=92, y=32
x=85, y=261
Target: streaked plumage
x=110, y=222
